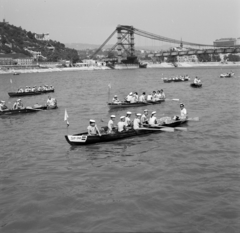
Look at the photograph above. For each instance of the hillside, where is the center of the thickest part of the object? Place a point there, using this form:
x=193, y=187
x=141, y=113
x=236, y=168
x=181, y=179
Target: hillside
x=15, y=40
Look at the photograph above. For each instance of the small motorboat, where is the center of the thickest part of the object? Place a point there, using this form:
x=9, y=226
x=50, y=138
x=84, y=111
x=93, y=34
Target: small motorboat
x=227, y=75
x=196, y=85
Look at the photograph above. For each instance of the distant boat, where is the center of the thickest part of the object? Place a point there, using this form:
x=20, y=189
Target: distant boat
x=16, y=73
x=227, y=75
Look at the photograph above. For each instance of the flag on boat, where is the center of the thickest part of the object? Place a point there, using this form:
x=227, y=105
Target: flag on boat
x=66, y=117
x=109, y=85
x=10, y=80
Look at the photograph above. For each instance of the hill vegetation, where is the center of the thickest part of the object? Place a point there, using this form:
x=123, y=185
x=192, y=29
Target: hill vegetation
x=17, y=40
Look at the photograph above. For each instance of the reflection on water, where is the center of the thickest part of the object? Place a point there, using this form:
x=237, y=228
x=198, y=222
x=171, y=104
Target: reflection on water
x=169, y=182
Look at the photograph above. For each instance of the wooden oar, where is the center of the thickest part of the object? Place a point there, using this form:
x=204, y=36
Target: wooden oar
x=173, y=99
x=166, y=129
x=193, y=119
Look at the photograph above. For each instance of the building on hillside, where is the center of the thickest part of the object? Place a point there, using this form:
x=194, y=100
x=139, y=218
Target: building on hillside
x=227, y=42
x=50, y=47
x=190, y=58
x=6, y=61
x=44, y=36
x=23, y=61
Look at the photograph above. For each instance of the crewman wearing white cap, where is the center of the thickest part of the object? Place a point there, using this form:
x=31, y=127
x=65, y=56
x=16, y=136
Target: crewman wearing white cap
x=153, y=118
x=183, y=112
x=19, y=104
x=111, y=124
x=129, y=97
x=137, y=121
x=121, y=124
x=93, y=129
x=128, y=119
x=115, y=100
x=144, y=119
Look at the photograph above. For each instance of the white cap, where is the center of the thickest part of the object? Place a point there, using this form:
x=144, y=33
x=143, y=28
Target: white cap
x=129, y=113
x=19, y=100
x=115, y=96
x=122, y=117
x=138, y=114
x=113, y=116
x=145, y=110
x=130, y=93
x=92, y=121
x=153, y=112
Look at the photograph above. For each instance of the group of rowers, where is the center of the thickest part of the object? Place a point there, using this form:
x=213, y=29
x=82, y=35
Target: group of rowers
x=51, y=102
x=133, y=97
x=139, y=121
x=35, y=88
x=182, y=78
x=196, y=80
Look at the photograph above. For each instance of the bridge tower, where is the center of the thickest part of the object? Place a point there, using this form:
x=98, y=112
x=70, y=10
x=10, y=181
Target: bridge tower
x=125, y=42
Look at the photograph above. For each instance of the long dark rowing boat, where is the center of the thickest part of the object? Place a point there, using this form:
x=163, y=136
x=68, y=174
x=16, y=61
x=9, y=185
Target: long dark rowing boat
x=18, y=111
x=196, y=85
x=15, y=94
x=45, y=107
x=138, y=104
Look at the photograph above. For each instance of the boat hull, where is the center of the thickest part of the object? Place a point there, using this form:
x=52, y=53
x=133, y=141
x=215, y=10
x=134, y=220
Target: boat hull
x=84, y=139
x=196, y=85
x=16, y=94
x=18, y=111
x=138, y=104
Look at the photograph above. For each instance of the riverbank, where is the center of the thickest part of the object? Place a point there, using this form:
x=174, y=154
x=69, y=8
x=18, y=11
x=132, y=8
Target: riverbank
x=92, y=68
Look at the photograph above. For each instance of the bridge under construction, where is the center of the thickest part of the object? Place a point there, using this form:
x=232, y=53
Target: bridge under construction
x=126, y=43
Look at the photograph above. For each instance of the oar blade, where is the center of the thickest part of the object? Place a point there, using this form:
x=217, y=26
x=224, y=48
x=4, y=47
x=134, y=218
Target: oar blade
x=166, y=129
x=193, y=119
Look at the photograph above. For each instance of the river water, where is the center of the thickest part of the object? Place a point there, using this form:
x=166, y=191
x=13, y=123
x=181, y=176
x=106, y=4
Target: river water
x=166, y=182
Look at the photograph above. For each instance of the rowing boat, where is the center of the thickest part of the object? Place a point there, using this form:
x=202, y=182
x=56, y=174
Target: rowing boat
x=85, y=139
x=15, y=94
x=45, y=107
x=196, y=85
x=227, y=75
x=137, y=104
x=169, y=80
x=170, y=124
x=18, y=111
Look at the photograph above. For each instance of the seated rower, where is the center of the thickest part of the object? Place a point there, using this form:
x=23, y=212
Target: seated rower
x=18, y=104
x=195, y=81
x=137, y=121
x=149, y=97
x=142, y=98
x=154, y=96
x=26, y=89
x=111, y=124
x=51, y=87
x=51, y=102
x=93, y=129
x=3, y=106
x=115, y=100
x=128, y=119
x=153, y=119
x=129, y=97
x=121, y=124
x=134, y=98
x=144, y=119
x=162, y=97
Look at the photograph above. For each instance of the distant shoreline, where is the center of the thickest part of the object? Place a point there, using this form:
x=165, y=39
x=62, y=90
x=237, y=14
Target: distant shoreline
x=93, y=68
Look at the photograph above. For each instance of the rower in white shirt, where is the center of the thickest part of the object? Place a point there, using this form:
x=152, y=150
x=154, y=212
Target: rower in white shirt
x=128, y=119
x=111, y=124
x=115, y=100
x=149, y=97
x=137, y=121
x=142, y=97
x=153, y=119
x=144, y=119
x=129, y=97
x=121, y=124
x=183, y=112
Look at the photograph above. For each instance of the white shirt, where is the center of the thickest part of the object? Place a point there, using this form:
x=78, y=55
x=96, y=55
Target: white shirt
x=110, y=125
x=121, y=125
x=92, y=130
x=149, y=97
x=128, y=98
x=136, y=123
x=51, y=102
x=142, y=98
x=152, y=120
x=127, y=121
x=183, y=113
x=195, y=81
x=143, y=118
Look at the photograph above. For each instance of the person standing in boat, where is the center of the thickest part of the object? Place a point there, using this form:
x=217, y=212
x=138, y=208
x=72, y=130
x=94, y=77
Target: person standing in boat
x=93, y=129
x=122, y=124
x=128, y=119
x=51, y=102
x=144, y=119
x=153, y=119
x=137, y=121
x=142, y=98
x=115, y=100
x=183, y=112
x=111, y=124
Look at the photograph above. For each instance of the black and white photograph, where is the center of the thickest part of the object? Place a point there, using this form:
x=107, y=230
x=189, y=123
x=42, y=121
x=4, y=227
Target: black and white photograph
x=119, y=116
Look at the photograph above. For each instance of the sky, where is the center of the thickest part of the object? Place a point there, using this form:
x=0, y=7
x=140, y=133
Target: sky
x=92, y=21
